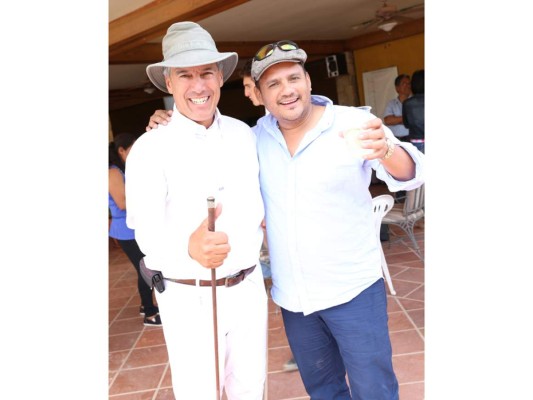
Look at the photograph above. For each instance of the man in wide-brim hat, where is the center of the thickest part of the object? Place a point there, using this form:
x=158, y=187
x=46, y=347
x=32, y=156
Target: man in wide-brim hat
x=170, y=173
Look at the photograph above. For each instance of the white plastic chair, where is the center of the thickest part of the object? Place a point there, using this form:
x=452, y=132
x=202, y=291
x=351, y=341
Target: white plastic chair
x=382, y=205
x=412, y=212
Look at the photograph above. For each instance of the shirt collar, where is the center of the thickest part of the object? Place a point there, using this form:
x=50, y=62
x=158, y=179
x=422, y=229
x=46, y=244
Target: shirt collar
x=197, y=129
x=269, y=123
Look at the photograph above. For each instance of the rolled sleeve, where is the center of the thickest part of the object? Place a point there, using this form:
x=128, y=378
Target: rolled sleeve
x=395, y=185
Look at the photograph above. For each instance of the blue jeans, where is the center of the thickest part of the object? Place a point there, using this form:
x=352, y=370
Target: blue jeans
x=351, y=338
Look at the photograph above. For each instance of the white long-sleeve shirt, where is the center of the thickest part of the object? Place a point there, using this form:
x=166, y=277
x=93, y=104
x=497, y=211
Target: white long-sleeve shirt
x=319, y=219
x=171, y=171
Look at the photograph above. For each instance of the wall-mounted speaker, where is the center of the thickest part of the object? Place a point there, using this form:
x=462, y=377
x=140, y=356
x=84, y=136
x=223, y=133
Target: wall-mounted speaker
x=336, y=65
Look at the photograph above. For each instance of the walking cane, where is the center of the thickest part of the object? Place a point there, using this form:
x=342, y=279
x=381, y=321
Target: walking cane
x=211, y=228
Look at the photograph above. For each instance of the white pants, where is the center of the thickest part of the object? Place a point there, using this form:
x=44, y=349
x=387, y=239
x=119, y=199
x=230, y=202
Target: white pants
x=187, y=320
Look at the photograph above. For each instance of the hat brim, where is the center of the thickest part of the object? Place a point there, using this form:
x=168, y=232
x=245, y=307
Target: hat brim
x=192, y=59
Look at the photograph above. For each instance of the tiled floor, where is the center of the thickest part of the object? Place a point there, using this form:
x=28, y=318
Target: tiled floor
x=138, y=361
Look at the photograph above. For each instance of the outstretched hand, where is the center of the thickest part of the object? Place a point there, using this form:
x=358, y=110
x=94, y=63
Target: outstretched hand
x=210, y=249
x=159, y=117
x=372, y=136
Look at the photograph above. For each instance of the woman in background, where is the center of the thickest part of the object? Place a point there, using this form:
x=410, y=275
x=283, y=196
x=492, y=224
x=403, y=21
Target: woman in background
x=118, y=152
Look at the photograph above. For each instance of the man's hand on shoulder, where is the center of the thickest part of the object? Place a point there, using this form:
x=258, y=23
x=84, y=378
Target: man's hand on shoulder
x=162, y=117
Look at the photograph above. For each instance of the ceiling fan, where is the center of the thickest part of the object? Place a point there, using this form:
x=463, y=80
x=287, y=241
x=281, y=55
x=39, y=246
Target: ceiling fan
x=387, y=16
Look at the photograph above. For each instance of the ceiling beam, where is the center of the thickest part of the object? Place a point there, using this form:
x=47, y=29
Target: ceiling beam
x=152, y=21
x=151, y=52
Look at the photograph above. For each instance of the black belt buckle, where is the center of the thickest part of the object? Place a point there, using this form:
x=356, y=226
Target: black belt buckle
x=153, y=278
x=157, y=281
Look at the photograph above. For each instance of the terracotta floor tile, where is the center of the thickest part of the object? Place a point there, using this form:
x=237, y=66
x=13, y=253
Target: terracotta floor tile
x=123, y=342
x=285, y=385
x=129, y=282
x=151, y=337
x=277, y=357
x=111, y=375
x=118, y=302
x=418, y=317
x=113, y=313
x=273, y=307
x=412, y=391
x=417, y=263
x=410, y=304
x=167, y=379
x=126, y=326
x=147, y=356
x=401, y=258
x=411, y=274
x=403, y=287
x=116, y=359
x=123, y=292
x=395, y=270
x=406, y=342
x=277, y=337
x=394, y=247
x=399, y=322
x=165, y=394
x=392, y=304
x=417, y=294
x=275, y=320
x=114, y=277
x=409, y=367
x=130, y=312
x=135, y=380
x=146, y=395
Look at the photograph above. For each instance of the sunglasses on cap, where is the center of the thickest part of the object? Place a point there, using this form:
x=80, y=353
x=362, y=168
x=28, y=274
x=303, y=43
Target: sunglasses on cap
x=268, y=49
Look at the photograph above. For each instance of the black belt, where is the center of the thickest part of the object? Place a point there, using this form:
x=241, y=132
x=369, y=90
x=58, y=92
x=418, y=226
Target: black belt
x=228, y=281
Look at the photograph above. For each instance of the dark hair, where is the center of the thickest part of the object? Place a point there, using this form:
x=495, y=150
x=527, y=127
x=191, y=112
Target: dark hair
x=417, y=82
x=246, y=70
x=399, y=78
x=124, y=140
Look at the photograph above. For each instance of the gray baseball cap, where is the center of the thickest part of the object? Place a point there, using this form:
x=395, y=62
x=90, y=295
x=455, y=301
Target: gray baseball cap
x=277, y=56
x=187, y=44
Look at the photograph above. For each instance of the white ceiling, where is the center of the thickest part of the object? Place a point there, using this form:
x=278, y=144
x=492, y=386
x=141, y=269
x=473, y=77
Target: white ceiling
x=266, y=21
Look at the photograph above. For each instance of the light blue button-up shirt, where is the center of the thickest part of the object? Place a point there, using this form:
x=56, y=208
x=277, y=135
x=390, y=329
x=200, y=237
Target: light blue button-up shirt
x=394, y=107
x=319, y=218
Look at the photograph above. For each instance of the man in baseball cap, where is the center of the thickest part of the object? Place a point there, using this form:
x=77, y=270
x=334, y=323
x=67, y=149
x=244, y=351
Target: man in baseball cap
x=324, y=256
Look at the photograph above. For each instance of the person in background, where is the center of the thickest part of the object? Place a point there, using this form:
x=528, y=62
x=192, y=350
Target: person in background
x=248, y=83
x=392, y=117
x=413, y=111
x=325, y=261
x=171, y=171
x=119, y=149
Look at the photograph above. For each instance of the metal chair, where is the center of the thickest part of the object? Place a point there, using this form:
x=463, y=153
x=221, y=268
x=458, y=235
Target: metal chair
x=382, y=205
x=413, y=211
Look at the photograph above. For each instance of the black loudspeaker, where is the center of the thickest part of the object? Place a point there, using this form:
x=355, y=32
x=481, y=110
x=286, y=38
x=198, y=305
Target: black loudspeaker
x=336, y=65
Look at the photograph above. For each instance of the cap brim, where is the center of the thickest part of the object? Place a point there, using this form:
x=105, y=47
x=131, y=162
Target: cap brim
x=192, y=59
x=277, y=56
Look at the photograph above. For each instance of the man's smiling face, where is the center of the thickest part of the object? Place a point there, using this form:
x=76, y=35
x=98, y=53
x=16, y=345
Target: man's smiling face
x=196, y=91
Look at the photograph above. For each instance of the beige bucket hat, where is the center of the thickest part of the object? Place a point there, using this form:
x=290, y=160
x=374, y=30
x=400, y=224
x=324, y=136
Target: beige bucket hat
x=187, y=44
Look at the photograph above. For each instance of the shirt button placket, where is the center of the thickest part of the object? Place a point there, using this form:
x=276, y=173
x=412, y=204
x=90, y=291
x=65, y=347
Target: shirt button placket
x=292, y=210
